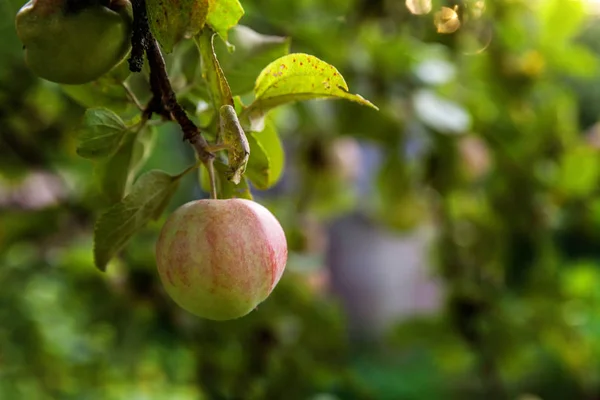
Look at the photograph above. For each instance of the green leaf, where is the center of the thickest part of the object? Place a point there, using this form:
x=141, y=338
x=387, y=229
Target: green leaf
x=101, y=134
x=172, y=21
x=266, y=163
x=116, y=174
x=297, y=77
x=184, y=69
x=143, y=147
x=224, y=15
x=113, y=174
x=212, y=72
x=119, y=223
x=253, y=51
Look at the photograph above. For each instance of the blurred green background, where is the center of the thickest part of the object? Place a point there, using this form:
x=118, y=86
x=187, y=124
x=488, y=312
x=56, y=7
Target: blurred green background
x=446, y=246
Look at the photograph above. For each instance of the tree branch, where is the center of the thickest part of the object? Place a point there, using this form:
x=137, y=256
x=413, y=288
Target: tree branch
x=140, y=35
x=164, y=101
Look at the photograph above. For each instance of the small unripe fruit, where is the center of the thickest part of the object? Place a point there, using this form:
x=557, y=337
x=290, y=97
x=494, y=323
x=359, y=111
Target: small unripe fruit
x=74, y=46
x=219, y=259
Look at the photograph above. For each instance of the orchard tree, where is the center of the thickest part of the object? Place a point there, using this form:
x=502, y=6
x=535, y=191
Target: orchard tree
x=220, y=257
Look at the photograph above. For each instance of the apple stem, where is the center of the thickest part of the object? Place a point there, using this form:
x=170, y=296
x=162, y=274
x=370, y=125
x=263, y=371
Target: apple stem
x=211, y=177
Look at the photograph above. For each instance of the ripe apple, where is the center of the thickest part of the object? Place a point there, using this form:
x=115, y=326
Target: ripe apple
x=74, y=46
x=219, y=259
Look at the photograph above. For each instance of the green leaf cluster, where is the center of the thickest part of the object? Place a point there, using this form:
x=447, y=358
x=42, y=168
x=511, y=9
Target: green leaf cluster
x=253, y=156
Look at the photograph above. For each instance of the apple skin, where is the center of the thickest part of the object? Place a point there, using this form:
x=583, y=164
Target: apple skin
x=219, y=259
x=74, y=47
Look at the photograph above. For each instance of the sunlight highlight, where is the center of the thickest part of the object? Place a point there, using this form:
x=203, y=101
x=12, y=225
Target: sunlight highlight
x=418, y=7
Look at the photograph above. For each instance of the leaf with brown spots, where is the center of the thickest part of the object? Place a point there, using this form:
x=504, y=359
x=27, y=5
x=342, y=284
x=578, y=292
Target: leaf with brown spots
x=172, y=20
x=297, y=77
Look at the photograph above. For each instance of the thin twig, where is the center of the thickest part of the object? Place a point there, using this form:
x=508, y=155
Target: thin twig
x=132, y=96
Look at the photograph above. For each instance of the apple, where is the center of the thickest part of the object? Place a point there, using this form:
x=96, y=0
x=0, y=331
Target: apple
x=219, y=259
x=74, y=46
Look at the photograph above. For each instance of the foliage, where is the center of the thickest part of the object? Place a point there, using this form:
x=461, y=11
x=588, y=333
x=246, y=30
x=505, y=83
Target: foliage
x=516, y=236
